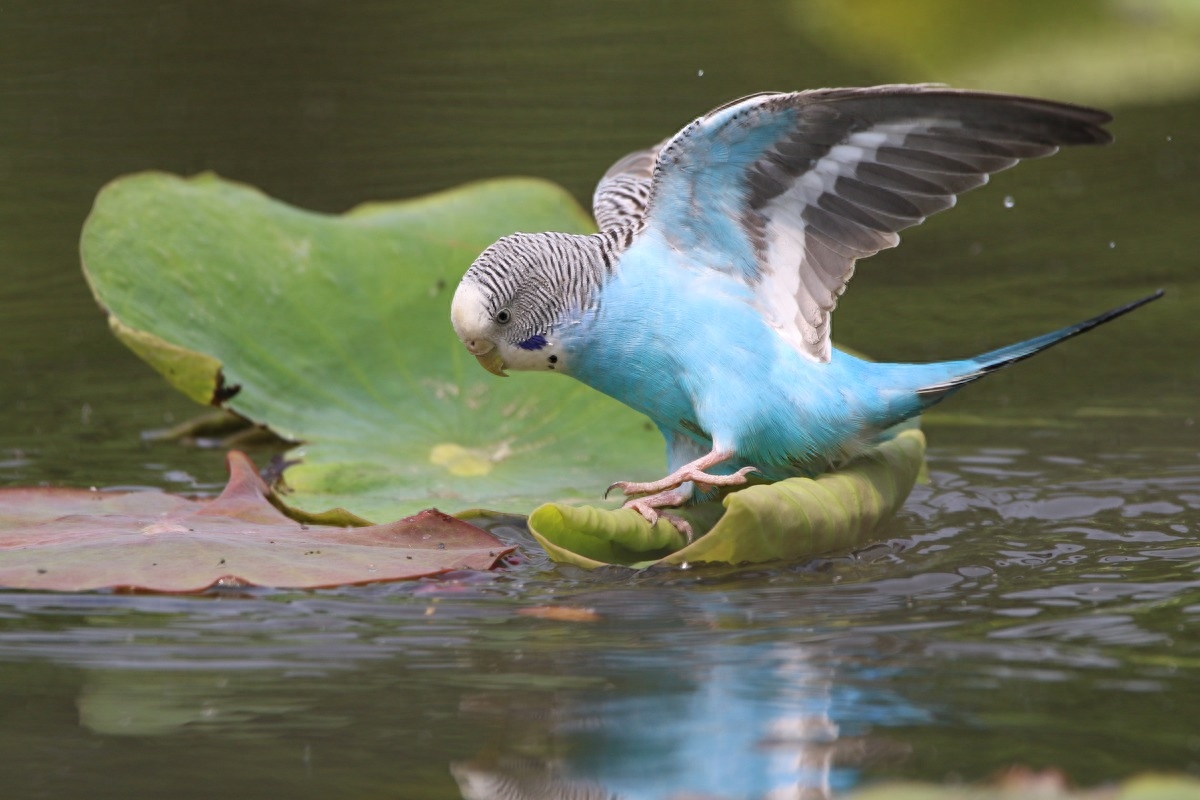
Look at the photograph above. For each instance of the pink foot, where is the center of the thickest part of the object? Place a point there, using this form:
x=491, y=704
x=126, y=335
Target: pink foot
x=666, y=493
x=649, y=507
x=684, y=475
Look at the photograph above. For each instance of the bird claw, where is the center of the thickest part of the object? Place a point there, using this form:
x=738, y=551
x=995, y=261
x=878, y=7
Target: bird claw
x=615, y=484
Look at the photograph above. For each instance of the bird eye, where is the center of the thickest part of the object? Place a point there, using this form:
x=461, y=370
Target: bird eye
x=503, y=316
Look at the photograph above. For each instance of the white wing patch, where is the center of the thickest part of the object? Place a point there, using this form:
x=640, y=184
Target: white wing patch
x=797, y=295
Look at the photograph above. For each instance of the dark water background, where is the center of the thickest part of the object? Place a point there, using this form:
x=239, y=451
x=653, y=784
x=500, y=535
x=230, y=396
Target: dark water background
x=1037, y=602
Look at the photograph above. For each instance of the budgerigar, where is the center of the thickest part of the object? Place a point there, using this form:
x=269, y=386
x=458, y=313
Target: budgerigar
x=704, y=301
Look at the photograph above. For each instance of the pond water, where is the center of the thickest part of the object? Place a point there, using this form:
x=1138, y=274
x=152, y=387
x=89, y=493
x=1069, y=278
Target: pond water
x=1036, y=602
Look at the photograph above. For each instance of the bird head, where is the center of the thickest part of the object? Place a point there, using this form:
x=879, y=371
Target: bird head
x=495, y=310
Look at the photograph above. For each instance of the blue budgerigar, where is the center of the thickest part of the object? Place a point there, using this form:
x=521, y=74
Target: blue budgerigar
x=704, y=301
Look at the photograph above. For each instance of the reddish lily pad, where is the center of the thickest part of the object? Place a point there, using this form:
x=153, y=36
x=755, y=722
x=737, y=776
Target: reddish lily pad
x=76, y=540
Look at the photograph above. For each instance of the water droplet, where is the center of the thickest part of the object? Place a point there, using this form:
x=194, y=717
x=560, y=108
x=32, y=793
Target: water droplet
x=699, y=73
x=1009, y=202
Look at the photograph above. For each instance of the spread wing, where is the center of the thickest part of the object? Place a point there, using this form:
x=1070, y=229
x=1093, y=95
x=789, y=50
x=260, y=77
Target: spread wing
x=787, y=191
x=620, y=197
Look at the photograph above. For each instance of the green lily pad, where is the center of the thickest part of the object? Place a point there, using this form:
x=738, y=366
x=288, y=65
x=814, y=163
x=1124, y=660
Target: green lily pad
x=334, y=331
x=790, y=519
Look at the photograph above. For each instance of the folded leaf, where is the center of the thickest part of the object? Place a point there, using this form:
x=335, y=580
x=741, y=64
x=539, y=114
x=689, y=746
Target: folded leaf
x=790, y=519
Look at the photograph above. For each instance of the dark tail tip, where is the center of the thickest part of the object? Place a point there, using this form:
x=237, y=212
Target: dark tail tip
x=1019, y=352
x=998, y=359
x=1125, y=309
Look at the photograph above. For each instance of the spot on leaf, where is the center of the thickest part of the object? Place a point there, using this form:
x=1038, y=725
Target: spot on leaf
x=458, y=460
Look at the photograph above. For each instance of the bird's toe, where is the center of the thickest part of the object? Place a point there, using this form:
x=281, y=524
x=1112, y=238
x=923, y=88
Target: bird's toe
x=649, y=512
x=681, y=525
x=734, y=479
x=652, y=515
x=629, y=488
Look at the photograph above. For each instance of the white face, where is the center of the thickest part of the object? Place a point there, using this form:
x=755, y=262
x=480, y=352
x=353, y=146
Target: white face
x=484, y=334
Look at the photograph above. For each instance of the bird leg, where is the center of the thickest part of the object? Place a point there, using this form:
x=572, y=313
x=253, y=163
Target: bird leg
x=692, y=471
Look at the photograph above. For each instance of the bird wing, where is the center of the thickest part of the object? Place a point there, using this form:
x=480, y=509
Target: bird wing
x=620, y=197
x=787, y=191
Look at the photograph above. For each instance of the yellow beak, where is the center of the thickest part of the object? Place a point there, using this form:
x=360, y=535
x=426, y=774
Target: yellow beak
x=492, y=362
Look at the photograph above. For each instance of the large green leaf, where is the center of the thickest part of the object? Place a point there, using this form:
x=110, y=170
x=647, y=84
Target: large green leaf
x=786, y=520
x=334, y=331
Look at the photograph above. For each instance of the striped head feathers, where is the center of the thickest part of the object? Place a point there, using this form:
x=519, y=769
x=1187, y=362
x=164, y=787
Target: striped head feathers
x=506, y=306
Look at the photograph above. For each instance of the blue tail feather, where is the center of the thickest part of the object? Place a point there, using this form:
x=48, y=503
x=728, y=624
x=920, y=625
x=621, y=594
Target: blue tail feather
x=976, y=368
